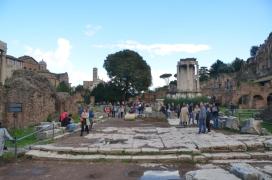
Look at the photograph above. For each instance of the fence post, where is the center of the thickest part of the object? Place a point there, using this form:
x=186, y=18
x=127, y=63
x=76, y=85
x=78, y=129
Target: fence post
x=53, y=131
x=15, y=147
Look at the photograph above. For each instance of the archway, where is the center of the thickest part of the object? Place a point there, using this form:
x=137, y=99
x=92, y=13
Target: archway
x=269, y=99
x=244, y=101
x=258, y=102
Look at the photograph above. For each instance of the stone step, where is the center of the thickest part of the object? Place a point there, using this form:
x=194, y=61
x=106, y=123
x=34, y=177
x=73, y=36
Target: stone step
x=114, y=151
x=37, y=154
x=85, y=154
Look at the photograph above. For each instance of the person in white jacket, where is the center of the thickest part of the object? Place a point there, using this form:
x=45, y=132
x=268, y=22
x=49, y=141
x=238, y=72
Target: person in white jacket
x=4, y=135
x=84, y=121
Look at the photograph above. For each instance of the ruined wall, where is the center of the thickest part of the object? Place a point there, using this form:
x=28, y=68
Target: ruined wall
x=36, y=95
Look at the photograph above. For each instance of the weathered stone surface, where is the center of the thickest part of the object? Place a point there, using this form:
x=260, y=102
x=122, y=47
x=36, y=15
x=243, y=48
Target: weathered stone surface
x=251, y=126
x=129, y=116
x=210, y=174
x=232, y=123
x=49, y=133
x=224, y=156
x=268, y=144
x=248, y=172
x=200, y=159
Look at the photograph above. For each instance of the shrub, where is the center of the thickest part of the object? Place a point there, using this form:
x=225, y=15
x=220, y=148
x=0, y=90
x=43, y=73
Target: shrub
x=195, y=100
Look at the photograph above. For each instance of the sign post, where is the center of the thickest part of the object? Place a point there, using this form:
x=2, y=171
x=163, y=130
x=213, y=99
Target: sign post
x=14, y=108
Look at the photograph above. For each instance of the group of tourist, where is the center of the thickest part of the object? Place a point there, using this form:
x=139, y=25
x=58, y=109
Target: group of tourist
x=118, y=110
x=198, y=114
x=67, y=121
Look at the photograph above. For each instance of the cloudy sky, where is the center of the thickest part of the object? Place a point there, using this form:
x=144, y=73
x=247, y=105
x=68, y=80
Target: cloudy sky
x=75, y=36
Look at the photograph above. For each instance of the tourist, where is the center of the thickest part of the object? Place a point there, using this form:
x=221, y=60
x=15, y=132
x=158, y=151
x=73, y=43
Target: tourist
x=91, y=116
x=215, y=113
x=178, y=110
x=191, y=114
x=208, y=117
x=122, y=111
x=84, y=122
x=63, y=115
x=114, y=110
x=4, y=135
x=163, y=110
x=196, y=112
x=71, y=126
x=184, y=115
x=202, y=119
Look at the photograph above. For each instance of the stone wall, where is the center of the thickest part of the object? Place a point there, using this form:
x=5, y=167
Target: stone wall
x=38, y=97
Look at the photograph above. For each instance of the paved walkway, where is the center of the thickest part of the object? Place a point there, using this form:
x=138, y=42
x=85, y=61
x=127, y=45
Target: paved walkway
x=142, y=140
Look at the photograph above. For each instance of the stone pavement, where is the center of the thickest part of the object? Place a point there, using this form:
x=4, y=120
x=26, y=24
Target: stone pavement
x=150, y=143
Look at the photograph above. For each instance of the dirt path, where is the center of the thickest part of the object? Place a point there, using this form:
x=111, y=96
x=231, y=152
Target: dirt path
x=55, y=170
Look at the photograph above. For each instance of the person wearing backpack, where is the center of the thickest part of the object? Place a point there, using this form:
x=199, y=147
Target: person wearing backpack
x=4, y=135
x=215, y=113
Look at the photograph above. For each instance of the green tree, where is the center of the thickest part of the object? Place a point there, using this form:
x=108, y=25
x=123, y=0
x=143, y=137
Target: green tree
x=108, y=92
x=219, y=67
x=166, y=77
x=79, y=88
x=237, y=64
x=63, y=87
x=129, y=71
x=253, y=50
x=203, y=73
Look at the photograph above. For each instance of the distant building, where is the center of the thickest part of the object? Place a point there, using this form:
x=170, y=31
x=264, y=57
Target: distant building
x=92, y=84
x=8, y=64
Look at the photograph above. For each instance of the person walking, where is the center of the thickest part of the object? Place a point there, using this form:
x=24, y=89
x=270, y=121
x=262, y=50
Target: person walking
x=84, y=122
x=196, y=113
x=122, y=111
x=191, y=114
x=184, y=115
x=91, y=116
x=215, y=113
x=202, y=119
x=209, y=117
x=4, y=135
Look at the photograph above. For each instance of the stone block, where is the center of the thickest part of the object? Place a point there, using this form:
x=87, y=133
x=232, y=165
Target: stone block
x=133, y=151
x=49, y=134
x=210, y=174
x=247, y=172
x=232, y=123
x=185, y=158
x=199, y=159
x=251, y=126
x=268, y=144
x=130, y=117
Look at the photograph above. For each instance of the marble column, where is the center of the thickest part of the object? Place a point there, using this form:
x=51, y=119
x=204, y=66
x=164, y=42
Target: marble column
x=197, y=78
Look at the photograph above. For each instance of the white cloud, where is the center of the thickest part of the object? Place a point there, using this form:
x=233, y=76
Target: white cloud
x=157, y=49
x=55, y=59
x=91, y=30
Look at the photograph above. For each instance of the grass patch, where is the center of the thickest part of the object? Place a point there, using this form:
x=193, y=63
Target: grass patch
x=18, y=133
x=7, y=157
x=267, y=126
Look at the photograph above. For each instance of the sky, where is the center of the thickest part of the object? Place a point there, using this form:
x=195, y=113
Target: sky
x=77, y=35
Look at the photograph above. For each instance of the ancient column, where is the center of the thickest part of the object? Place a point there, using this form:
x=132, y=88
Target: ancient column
x=197, y=78
x=188, y=82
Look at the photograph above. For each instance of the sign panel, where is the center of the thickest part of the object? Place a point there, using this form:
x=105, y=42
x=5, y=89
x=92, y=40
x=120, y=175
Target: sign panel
x=14, y=107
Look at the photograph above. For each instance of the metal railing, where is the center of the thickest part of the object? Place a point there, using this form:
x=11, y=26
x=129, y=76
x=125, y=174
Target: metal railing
x=17, y=140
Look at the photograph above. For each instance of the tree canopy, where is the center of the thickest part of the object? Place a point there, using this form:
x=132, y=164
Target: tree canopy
x=203, y=73
x=219, y=67
x=129, y=71
x=237, y=64
x=166, y=77
x=63, y=87
x=108, y=92
x=253, y=51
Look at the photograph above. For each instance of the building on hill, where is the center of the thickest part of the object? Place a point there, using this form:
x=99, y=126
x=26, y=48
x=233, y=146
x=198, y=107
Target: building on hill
x=249, y=88
x=92, y=84
x=8, y=64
